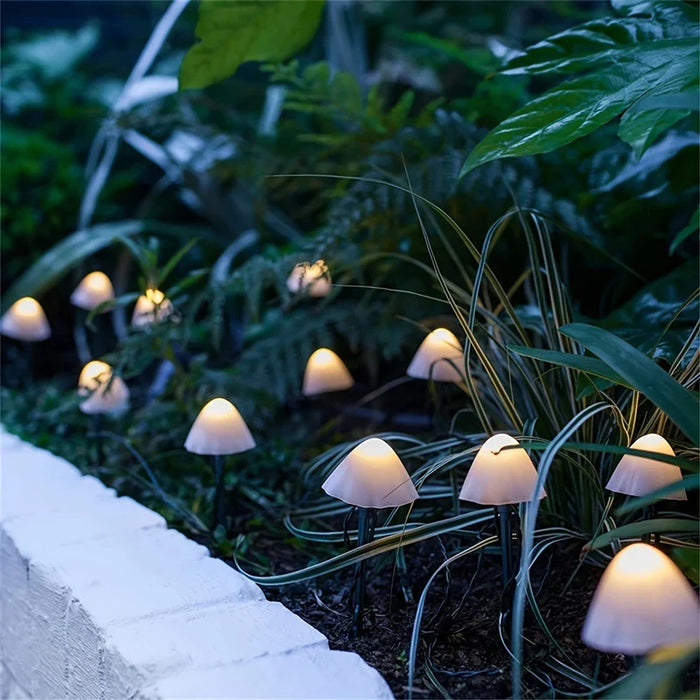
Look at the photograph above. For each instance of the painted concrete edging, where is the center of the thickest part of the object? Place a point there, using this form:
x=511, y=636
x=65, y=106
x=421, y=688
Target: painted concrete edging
x=98, y=599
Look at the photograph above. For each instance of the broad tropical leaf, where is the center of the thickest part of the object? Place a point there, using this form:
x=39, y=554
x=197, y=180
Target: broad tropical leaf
x=642, y=66
x=232, y=32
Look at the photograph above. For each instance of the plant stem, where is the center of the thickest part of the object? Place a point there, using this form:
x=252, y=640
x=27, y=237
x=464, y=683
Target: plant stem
x=97, y=428
x=220, y=492
x=648, y=513
x=367, y=518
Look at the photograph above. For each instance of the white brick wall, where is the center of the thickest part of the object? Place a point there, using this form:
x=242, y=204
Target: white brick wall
x=98, y=599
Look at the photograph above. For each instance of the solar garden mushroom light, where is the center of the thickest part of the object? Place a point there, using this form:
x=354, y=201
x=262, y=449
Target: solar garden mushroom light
x=438, y=358
x=102, y=393
x=639, y=476
x=370, y=477
x=501, y=478
x=25, y=320
x=642, y=602
x=94, y=289
x=219, y=430
x=325, y=372
x=152, y=306
x=311, y=278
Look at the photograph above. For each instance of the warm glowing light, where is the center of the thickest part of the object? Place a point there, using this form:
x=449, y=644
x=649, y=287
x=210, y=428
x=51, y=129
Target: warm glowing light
x=371, y=476
x=219, y=429
x=638, y=476
x=642, y=602
x=439, y=357
x=93, y=290
x=104, y=393
x=500, y=476
x=92, y=375
x=151, y=307
x=25, y=320
x=311, y=278
x=324, y=372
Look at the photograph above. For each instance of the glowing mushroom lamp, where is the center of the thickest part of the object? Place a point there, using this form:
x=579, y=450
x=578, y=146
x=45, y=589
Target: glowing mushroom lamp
x=501, y=478
x=311, y=278
x=439, y=357
x=642, y=602
x=25, y=320
x=151, y=307
x=371, y=476
x=325, y=372
x=639, y=476
x=219, y=430
x=94, y=289
x=102, y=393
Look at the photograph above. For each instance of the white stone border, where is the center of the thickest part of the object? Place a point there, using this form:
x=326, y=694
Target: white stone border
x=100, y=600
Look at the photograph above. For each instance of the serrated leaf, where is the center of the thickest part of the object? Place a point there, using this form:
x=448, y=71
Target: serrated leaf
x=679, y=404
x=232, y=32
x=600, y=41
x=580, y=106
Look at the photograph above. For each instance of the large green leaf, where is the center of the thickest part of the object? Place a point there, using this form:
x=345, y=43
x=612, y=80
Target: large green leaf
x=593, y=43
x=580, y=106
x=232, y=32
x=679, y=404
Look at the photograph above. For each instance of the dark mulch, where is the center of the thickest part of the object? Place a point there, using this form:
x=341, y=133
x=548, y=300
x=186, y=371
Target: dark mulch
x=459, y=634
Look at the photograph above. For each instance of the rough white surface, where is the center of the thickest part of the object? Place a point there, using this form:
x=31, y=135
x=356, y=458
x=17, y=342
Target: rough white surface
x=100, y=600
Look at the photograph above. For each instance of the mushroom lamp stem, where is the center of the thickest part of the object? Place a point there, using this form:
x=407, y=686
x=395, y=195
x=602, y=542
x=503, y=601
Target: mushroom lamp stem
x=505, y=536
x=367, y=520
x=219, y=492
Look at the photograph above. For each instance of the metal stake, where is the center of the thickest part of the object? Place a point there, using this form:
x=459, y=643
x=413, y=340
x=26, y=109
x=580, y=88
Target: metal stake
x=219, y=492
x=367, y=518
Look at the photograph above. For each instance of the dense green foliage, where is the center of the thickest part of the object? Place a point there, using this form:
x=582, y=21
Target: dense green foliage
x=564, y=257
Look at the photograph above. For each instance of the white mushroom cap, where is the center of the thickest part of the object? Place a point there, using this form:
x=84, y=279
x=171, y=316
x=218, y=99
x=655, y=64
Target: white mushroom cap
x=498, y=477
x=25, y=320
x=439, y=357
x=371, y=476
x=151, y=307
x=94, y=289
x=638, y=476
x=324, y=372
x=219, y=429
x=313, y=278
x=105, y=393
x=642, y=602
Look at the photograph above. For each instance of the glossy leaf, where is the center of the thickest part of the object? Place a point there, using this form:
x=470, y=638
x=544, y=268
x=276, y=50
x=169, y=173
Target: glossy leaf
x=582, y=105
x=231, y=32
x=603, y=40
x=686, y=232
x=679, y=404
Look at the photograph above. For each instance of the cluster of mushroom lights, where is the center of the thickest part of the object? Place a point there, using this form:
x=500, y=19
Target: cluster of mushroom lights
x=643, y=601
